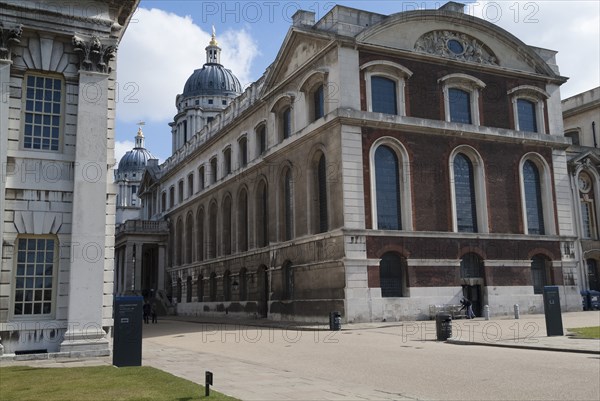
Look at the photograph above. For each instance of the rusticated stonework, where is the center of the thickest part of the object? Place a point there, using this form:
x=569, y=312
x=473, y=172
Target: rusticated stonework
x=94, y=55
x=9, y=36
x=455, y=45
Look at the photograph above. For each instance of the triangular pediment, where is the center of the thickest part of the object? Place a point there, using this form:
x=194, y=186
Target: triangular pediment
x=298, y=49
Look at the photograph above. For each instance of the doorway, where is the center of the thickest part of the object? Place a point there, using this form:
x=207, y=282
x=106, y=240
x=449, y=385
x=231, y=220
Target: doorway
x=263, y=292
x=473, y=294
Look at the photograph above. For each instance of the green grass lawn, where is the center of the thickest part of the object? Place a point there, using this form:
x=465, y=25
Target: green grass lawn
x=586, y=332
x=98, y=383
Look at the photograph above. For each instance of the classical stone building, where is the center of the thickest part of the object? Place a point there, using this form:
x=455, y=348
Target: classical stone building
x=128, y=177
x=382, y=164
x=581, y=115
x=57, y=76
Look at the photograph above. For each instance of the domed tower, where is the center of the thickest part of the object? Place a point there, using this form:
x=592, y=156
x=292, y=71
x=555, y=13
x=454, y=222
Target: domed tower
x=205, y=94
x=128, y=177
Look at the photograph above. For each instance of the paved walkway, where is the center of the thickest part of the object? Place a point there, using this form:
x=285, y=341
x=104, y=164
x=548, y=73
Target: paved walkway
x=264, y=360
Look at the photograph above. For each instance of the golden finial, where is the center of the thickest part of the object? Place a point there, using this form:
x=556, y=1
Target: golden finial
x=140, y=125
x=213, y=40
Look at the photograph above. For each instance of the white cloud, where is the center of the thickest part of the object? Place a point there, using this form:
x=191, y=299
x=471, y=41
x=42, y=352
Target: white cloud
x=570, y=27
x=122, y=147
x=157, y=55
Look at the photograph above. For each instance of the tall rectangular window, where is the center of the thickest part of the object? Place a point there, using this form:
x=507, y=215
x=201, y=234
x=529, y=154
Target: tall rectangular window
x=190, y=185
x=460, y=106
x=383, y=95
x=588, y=220
x=262, y=140
x=527, y=116
x=180, y=190
x=243, y=152
x=201, y=181
x=286, y=121
x=34, y=278
x=319, y=102
x=42, y=112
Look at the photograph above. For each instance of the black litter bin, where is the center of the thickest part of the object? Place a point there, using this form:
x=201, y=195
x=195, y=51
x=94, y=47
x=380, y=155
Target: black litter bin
x=587, y=300
x=443, y=326
x=335, y=321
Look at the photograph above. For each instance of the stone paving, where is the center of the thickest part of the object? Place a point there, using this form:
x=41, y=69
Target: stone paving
x=264, y=360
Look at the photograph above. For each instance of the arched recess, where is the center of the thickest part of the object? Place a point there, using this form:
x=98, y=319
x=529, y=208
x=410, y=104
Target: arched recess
x=391, y=197
x=467, y=179
x=537, y=202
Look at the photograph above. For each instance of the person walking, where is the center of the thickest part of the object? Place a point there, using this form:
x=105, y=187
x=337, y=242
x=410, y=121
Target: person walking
x=153, y=312
x=468, y=306
x=146, y=308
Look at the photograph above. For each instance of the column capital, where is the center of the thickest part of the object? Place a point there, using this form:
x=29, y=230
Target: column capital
x=94, y=54
x=10, y=35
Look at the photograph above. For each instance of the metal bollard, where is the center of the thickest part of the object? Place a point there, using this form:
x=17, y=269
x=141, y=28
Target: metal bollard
x=516, y=311
x=486, y=312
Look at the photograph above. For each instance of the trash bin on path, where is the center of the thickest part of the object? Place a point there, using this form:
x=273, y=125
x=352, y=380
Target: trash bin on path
x=335, y=321
x=443, y=326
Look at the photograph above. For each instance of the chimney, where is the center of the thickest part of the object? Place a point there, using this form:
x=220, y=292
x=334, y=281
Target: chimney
x=302, y=17
x=454, y=7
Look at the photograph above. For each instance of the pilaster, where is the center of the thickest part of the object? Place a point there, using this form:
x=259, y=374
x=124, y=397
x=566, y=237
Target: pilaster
x=85, y=335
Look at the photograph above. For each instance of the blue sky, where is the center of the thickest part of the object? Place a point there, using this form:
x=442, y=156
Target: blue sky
x=165, y=42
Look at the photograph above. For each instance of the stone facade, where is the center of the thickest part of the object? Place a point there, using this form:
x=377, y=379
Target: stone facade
x=57, y=73
x=581, y=118
x=381, y=165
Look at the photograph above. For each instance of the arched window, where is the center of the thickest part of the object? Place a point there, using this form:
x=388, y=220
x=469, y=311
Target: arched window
x=190, y=185
x=243, y=284
x=261, y=139
x=227, y=286
x=213, y=287
x=243, y=146
x=323, y=224
x=200, y=288
x=179, y=243
x=213, y=170
x=188, y=290
x=189, y=230
x=243, y=221
x=163, y=201
x=464, y=192
x=212, y=231
x=200, y=235
x=227, y=161
x=384, y=83
x=262, y=215
x=528, y=108
x=387, y=184
x=533, y=199
x=392, y=275
x=540, y=274
x=226, y=239
x=471, y=266
x=461, y=98
x=313, y=89
x=383, y=95
x=287, y=197
x=593, y=275
x=288, y=280
x=201, y=178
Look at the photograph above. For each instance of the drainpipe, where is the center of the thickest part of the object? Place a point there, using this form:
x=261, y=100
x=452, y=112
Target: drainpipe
x=594, y=133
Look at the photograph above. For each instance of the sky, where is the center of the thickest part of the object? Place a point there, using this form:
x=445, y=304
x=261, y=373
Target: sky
x=165, y=42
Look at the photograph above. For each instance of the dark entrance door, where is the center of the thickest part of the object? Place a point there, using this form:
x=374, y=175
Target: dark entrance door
x=263, y=288
x=473, y=294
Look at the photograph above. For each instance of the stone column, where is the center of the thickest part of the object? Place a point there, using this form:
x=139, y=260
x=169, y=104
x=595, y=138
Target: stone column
x=128, y=268
x=161, y=268
x=85, y=335
x=9, y=36
x=138, y=265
